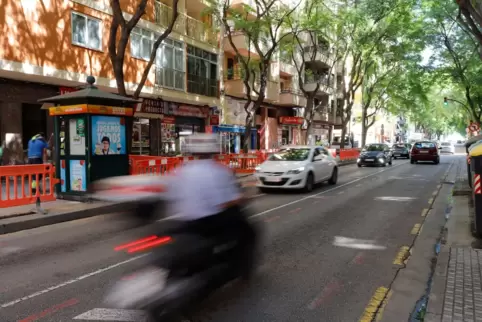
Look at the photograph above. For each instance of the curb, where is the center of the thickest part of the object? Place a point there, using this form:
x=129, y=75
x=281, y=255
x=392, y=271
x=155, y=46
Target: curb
x=436, y=302
x=15, y=224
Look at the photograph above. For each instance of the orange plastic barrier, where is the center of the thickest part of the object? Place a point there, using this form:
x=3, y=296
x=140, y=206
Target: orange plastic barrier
x=349, y=154
x=16, y=184
x=155, y=166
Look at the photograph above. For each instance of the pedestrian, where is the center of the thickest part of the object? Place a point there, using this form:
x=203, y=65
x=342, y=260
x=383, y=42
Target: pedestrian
x=37, y=149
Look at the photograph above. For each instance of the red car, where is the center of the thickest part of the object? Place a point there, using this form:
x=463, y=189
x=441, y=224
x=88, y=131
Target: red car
x=424, y=151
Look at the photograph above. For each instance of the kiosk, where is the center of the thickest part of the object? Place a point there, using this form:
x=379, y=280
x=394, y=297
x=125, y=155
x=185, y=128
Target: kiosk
x=91, y=129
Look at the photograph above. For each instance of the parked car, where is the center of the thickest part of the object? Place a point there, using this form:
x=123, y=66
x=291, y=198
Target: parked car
x=425, y=151
x=375, y=154
x=447, y=147
x=297, y=167
x=401, y=150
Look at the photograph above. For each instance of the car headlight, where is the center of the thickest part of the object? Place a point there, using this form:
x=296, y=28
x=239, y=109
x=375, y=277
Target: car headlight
x=257, y=169
x=296, y=171
x=382, y=160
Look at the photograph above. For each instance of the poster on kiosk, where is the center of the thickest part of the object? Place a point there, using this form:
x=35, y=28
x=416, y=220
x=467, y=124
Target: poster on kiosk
x=108, y=135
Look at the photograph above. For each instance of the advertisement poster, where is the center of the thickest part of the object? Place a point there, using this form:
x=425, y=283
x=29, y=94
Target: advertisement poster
x=108, y=135
x=77, y=141
x=78, y=179
x=63, y=186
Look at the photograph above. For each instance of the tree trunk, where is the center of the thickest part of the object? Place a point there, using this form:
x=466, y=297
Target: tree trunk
x=310, y=101
x=343, y=135
x=364, y=127
x=247, y=131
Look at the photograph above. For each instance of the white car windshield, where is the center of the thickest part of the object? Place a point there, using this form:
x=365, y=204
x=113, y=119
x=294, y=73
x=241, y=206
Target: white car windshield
x=296, y=154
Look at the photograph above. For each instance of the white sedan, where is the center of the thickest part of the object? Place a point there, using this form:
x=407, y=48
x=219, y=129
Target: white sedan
x=297, y=167
x=447, y=147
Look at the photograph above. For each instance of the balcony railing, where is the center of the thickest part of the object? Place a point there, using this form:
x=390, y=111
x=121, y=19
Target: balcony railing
x=291, y=91
x=184, y=24
x=170, y=78
x=202, y=86
x=317, y=78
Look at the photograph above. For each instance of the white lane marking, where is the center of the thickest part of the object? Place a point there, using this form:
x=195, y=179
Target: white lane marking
x=52, y=288
x=113, y=315
x=326, y=191
x=341, y=192
x=358, y=185
x=9, y=250
x=392, y=198
x=356, y=243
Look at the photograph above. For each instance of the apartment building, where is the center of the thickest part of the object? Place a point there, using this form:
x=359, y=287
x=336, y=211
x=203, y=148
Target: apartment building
x=50, y=47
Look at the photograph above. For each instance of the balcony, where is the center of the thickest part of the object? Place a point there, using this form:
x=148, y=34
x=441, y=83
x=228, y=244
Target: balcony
x=287, y=69
x=290, y=97
x=185, y=25
x=202, y=86
x=326, y=88
x=322, y=58
x=339, y=67
x=243, y=45
x=234, y=85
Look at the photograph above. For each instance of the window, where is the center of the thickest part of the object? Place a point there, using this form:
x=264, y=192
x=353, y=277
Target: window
x=170, y=65
x=142, y=41
x=86, y=31
x=202, y=72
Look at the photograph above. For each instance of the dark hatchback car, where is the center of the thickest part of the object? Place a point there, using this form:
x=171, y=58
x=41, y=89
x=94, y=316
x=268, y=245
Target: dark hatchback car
x=401, y=151
x=375, y=154
x=425, y=151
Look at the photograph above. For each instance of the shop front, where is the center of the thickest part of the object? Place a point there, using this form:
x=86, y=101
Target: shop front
x=232, y=130
x=160, y=127
x=289, y=129
x=320, y=134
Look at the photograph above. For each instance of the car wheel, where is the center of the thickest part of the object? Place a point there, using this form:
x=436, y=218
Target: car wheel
x=412, y=161
x=334, y=176
x=359, y=165
x=310, y=181
x=437, y=161
x=395, y=158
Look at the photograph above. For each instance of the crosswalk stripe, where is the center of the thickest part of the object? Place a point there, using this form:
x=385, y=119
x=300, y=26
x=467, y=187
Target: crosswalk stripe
x=118, y=315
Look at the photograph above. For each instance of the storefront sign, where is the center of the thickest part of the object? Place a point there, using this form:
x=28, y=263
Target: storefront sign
x=93, y=109
x=168, y=120
x=64, y=90
x=171, y=108
x=291, y=120
x=214, y=120
x=152, y=106
x=188, y=110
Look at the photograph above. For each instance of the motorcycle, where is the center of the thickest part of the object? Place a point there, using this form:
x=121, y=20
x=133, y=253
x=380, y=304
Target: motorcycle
x=180, y=270
x=142, y=197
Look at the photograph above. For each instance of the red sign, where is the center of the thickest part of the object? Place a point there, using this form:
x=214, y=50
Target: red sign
x=64, y=90
x=214, y=119
x=168, y=120
x=291, y=120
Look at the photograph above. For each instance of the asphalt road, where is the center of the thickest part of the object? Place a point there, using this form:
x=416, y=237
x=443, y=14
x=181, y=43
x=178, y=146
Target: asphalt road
x=325, y=254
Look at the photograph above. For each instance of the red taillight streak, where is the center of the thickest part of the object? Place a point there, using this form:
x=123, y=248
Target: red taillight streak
x=151, y=244
x=155, y=189
x=137, y=242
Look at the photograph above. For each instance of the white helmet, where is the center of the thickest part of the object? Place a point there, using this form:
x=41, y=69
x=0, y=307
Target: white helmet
x=202, y=143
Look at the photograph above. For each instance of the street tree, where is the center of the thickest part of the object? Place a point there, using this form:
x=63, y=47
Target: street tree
x=119, y=35
x=364, y=27
x=470, y=16
x=264, y=26
x=313, y=36
x=455, y=56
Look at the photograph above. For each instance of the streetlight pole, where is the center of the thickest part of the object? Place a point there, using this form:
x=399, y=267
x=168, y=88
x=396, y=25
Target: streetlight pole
x=446, y=100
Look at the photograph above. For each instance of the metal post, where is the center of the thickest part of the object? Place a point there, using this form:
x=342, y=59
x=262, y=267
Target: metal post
x=476, y=166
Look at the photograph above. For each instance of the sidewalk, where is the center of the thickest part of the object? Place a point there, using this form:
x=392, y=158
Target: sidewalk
x=456, y=290
x=15, y=219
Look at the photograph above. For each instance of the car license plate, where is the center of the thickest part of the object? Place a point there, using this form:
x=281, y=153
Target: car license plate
x=273, y=179
x=423, y=151
x=370, y=160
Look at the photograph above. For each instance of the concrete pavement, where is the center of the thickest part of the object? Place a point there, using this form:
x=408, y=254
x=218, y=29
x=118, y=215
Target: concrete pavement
x=330, y=255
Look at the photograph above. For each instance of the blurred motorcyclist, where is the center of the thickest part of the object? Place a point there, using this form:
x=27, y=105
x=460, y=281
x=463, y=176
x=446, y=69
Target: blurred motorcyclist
x=206, y=196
